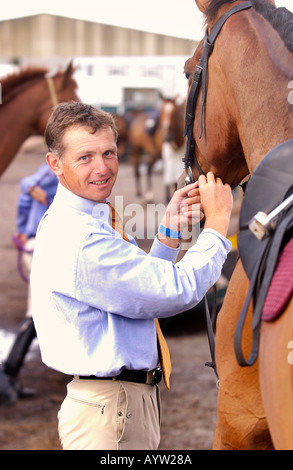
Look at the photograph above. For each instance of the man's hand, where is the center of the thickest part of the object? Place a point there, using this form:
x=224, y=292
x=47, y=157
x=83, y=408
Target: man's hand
x=216, y=202
x=19, y=240
x=182, y=210
x=38, y=194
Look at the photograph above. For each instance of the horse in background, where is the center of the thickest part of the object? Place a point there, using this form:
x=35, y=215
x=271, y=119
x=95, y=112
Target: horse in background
x=173, y=147
x=241, y=113
x=28, y=98
x=122, y=128
x=147, y=133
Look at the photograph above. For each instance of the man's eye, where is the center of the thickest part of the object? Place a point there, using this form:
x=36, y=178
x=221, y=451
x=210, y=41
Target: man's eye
x=109, y=153
x=84, y=158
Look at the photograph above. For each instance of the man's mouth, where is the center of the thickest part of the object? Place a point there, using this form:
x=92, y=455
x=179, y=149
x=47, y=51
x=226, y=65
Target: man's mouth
x=98, y=183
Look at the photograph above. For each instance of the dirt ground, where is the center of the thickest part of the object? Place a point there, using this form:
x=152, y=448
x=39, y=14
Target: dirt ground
x=189, y=408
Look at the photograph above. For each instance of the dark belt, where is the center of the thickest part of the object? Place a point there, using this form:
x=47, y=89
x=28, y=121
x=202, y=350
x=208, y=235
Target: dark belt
x=149, y=378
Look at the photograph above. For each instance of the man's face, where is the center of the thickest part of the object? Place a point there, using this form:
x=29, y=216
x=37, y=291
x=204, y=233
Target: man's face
x=89, y=164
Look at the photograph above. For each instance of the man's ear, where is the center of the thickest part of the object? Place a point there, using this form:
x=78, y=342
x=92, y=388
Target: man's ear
x=54, y=163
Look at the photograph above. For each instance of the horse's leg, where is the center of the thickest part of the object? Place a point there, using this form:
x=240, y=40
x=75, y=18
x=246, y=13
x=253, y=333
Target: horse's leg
x=149, y=175
x=241, y=421
x=276, y=377
x=135, y=155
x=153, y=158
x=137, y=180
x=168, y=192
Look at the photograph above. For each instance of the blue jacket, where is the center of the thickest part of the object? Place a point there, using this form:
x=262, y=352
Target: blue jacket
x=30, y=211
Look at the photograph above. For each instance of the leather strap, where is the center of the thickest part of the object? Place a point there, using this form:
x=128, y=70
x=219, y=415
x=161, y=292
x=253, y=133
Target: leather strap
x=52, y=90
x=211, y=322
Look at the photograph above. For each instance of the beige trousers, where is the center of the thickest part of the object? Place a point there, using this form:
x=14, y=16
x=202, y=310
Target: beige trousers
x=110, y=415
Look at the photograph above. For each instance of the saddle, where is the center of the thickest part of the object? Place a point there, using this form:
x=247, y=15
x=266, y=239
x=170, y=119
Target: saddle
x=266, y=228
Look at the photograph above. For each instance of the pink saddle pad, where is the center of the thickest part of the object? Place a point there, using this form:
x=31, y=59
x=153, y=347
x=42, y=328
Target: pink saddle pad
x=281, y=287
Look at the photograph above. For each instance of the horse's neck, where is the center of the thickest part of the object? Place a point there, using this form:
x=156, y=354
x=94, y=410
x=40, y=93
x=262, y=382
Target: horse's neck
x=266, y=117
x=266, y=126
x=17, y=123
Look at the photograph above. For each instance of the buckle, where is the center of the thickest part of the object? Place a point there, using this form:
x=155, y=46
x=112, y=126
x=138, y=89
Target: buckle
x=156, y=375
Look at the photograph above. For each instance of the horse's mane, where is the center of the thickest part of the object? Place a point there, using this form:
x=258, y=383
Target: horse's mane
x=12, y=84
x=280, y=18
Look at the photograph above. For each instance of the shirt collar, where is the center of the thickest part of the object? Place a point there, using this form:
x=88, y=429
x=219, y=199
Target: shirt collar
x=65, y=197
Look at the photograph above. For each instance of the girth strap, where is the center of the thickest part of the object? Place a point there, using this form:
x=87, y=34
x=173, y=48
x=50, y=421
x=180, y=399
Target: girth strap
x=211, y=322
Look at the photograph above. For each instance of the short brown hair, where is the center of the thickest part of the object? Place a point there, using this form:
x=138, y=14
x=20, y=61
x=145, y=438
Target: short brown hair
x=67, y=115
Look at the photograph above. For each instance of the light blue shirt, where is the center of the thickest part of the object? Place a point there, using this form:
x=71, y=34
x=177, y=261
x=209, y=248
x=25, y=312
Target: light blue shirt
x=95, y=295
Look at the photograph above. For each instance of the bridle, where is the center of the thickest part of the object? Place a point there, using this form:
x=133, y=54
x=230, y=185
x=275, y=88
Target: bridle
x=190, y=159
x=200, y=77
x=53, y=94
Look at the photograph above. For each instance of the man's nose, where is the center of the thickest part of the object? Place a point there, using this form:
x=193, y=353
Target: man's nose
x=99, y=165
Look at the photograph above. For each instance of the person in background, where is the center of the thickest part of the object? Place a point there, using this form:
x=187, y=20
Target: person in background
x=36, y=195
x=37, y=192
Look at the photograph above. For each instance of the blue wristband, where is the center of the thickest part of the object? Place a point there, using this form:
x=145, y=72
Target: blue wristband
x=168, y=232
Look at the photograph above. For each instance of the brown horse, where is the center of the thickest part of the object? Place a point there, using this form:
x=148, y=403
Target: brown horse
x=172, y=149
x=27, y=101
x=245, y=114
x=122, y=128
x=147, y=132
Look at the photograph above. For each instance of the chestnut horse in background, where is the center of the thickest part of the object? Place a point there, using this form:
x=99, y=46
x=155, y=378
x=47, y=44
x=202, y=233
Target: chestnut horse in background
x=244, y=114
x=28, y=98
x=122, y=128
x=145, y=139
x=173, y=146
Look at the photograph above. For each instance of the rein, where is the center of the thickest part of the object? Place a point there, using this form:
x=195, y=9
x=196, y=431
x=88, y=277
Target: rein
x=21, y=250
x=190, y=159
x=200, y=77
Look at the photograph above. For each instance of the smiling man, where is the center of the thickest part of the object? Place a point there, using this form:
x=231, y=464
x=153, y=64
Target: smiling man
x=96, y=295
x=85, y=158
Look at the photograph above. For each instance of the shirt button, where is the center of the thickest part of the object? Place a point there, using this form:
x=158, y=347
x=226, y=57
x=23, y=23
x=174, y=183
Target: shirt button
x=120, y=413
x=128, y=414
